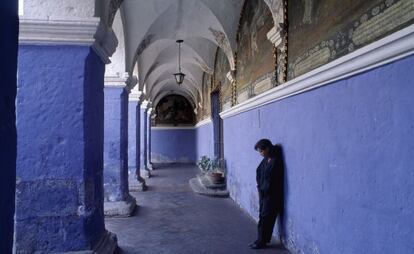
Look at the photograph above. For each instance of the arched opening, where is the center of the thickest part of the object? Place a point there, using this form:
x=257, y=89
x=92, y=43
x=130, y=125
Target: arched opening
x=174, y=110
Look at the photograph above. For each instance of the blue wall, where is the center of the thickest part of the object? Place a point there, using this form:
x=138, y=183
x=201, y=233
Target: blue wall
x=349, y=150
x=59, y=200
x=205, y=140
x=182, y=145
x=134, y=125
x=8, y=54
x=173, y=145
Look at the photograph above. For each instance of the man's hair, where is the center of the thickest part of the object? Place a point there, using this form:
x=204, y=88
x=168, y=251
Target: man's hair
x=263, y=144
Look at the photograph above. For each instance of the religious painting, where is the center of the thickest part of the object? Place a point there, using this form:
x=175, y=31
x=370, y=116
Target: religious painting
x=221, y=69
x=255, y=57
x=323, y=30
x=174, y=110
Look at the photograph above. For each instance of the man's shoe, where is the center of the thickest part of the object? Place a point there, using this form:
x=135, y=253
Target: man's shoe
x=257, y=246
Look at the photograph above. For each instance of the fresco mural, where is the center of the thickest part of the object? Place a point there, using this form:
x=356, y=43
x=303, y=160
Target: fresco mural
x=174, y=110
x=323, y=30
x=205, y=110
x=221, y=69
x=254, y=50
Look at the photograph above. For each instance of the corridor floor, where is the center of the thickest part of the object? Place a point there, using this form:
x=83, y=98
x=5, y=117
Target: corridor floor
x=172, y=219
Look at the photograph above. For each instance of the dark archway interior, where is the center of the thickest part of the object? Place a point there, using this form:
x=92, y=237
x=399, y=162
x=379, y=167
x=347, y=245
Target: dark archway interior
x=174, y=110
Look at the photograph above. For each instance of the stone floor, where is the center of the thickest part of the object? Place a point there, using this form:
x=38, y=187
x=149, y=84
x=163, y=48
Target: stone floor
x=172, y=219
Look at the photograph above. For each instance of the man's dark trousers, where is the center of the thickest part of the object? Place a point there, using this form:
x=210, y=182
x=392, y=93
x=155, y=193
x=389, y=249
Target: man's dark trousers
x=267, y=218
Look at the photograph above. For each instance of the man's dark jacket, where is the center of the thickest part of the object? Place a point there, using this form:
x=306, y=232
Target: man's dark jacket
x=270, y=179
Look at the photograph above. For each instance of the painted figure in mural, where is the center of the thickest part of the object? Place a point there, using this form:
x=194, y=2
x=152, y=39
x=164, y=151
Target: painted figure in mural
x=270, y=179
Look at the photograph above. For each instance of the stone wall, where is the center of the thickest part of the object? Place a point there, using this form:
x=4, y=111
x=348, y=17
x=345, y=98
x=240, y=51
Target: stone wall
x=348, y=152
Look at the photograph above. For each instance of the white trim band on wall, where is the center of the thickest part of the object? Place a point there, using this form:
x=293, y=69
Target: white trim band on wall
x=203, y=122
x=391, y=48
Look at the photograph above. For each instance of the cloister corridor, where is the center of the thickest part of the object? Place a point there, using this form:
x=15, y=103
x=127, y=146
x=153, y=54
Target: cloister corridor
x=192, y=126
x=172, y=219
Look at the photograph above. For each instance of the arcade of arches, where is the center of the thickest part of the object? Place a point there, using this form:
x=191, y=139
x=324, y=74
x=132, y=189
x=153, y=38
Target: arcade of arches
x=94, y=126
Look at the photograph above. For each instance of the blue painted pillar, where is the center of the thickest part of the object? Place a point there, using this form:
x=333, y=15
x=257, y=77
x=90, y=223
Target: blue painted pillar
x=149, y=163
x=8, y=54
x=60, y=126
x=136, y=182
x=143, y=138
x=118, y=201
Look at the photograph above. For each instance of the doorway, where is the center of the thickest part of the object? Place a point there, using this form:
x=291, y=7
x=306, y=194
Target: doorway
x=217, y=124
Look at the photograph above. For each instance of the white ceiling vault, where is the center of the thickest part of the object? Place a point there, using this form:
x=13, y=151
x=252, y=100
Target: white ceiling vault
x=147, y=31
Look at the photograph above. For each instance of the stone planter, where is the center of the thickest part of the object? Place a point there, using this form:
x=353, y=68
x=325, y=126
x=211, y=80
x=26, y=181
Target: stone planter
x=216, y=178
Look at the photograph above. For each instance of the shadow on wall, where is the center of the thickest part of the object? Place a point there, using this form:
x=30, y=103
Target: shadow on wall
x=283, y=182
x=281, y=187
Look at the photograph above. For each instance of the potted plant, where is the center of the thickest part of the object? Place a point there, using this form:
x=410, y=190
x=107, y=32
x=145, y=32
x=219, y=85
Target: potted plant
x=216, y=174
x=204, y=164
x=213, y=169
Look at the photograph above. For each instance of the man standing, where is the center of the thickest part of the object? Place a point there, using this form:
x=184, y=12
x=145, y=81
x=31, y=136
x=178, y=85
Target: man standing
x=270, y=178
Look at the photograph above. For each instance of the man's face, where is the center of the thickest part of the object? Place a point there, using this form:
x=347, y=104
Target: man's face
x=264, y=152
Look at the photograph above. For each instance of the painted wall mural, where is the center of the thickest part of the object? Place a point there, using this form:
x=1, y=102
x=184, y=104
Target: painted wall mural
x=221, y=68
x=205, y=110
x=174, y=110
x=255, y=58
x=323, y=30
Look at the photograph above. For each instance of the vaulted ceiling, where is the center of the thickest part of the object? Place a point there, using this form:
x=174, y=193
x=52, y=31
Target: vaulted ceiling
x=147, y=31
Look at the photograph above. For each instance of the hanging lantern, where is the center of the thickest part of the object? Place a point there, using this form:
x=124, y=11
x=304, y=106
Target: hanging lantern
x=179, y=77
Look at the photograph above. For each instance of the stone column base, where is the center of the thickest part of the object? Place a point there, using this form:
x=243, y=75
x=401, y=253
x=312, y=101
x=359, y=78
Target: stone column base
x=120, y=208
x=137, y=184
x=150, y=166
x=145, y=173
x=107, y=245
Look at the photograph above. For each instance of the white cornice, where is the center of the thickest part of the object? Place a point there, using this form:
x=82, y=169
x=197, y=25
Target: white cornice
x=79, y=32
x=55, y=32
x=391, y=48
x=203, y=122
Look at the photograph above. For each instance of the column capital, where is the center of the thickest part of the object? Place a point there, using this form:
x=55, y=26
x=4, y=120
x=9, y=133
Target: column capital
x=80, y=31
x=145, y=104
x=150, y=111
x=119, y=81
x=136, y=96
